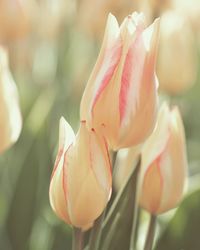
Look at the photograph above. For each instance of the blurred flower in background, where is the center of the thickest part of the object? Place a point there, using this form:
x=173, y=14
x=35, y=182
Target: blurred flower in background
x=191, y=10
x=10, y=115
x=177, y=56
x=92, y=15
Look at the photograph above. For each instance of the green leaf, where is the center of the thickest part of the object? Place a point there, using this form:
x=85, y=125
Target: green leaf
x=118, y=223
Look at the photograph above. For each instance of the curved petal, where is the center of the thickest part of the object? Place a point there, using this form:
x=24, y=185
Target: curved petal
x=174, y=164
x=88, y=178
x=57, y=191
x=141, y=94
x=152, y=188
x=104, y=68
x=156, y=143
x=165, y=152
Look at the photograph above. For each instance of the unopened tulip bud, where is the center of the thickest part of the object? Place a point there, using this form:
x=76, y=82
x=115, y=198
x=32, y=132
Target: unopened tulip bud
x=177, y=61
x=10, y=116
x=120, y=99
x=81, y=180
x=164, y=164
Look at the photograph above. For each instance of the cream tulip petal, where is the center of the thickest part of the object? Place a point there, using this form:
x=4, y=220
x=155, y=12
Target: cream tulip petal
x=174, y=165
x=104, y=67
x=100, y=161
x=152, y=188
x=66, y=134
x=164, y=155
x=89, y=203
x=158, y=138
x=57, y=190
x=57, y=194
x=140, y=104
x=88, y=188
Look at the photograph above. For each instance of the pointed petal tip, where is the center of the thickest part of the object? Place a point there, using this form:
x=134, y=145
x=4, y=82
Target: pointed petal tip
x=151, y=36
x=138, y=17
x=66, y=133
x=164, y=109
x=112, y=23
x=156, y=25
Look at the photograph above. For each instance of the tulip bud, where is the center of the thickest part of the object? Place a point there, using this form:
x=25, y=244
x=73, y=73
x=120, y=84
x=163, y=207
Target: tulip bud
x=177, y=61
x=81, y=180
x=120, y=99
x=164, y=163
x=10, y=116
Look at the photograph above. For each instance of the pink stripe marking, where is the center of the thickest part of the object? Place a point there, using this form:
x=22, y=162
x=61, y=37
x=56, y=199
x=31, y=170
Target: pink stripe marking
x=59, y=155
x=64, y=179
x=112, y=56
x=128, y=70
x=125, y=84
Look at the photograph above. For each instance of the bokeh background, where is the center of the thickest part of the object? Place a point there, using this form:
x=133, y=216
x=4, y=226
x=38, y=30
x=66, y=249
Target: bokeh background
x=53, y=45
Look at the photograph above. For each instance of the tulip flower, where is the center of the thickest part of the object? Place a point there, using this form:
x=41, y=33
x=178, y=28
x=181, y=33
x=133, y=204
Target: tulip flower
x=177, y=60
x=164, y=163
x=10, y=116
x=120, y=99
x=81, y=180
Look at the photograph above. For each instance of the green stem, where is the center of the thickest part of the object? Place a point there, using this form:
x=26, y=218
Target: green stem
x=119, y=195
x=114, y=157
x=135, y=207
x=78, y=239
x=137, y=227
x=96, y=233
x=111, y=233
x=150, y=233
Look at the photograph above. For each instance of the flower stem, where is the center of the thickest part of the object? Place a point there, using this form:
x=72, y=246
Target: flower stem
x=78, y=239
x=96, y=233
x=111, y=233
x=150, y=233
x=135, y=207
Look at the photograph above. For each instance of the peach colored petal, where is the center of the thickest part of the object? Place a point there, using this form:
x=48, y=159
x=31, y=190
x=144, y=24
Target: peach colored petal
x=152, y=188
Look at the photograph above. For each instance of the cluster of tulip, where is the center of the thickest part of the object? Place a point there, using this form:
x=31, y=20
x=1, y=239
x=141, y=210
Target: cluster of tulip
x=119, y=109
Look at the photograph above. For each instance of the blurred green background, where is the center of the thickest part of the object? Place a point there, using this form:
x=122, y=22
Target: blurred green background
x=51, y=61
